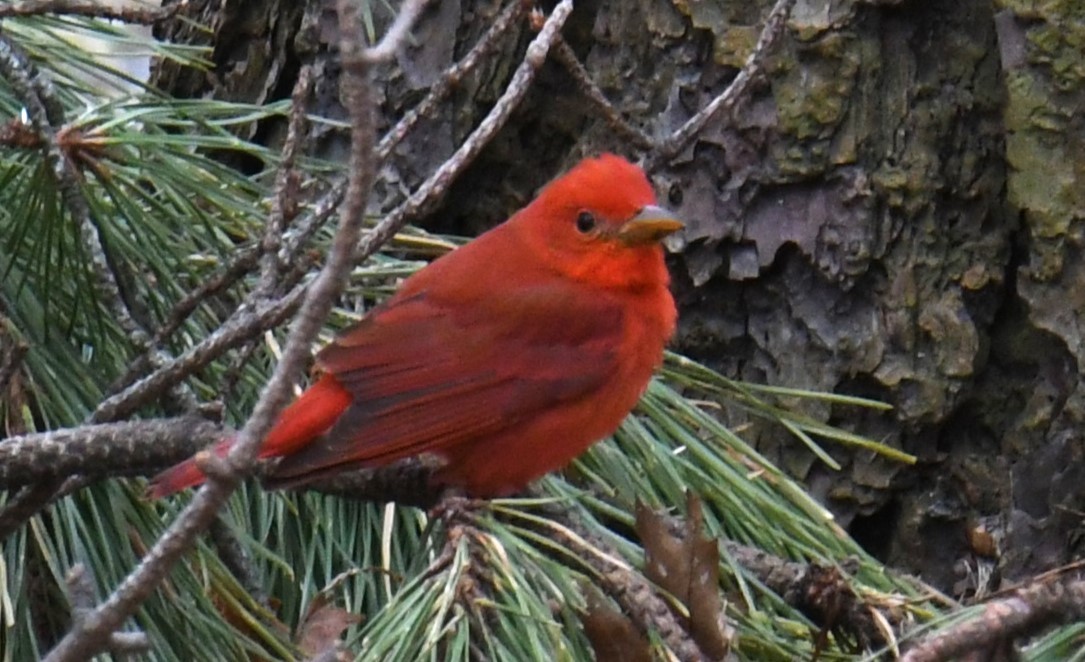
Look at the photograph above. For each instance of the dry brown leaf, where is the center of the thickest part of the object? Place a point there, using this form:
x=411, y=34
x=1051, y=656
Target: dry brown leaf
x=613, y=636
x=686, y=564
x=322, y=626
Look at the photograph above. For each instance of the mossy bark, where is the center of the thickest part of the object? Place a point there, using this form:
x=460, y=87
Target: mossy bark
x=895, y=213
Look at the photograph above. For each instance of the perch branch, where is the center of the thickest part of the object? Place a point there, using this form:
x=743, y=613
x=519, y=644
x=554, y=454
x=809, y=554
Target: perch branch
x=407, y=482
x=136, y=448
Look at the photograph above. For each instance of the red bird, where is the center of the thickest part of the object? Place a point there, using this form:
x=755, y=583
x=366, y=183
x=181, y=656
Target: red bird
x=507, y=357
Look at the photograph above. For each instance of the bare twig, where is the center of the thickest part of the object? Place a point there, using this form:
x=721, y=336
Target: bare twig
x=232, y=376
x=284, y=208
x=434, y=188
x=241, y=263
x=310, y=222
x=80, y=588
x=88, y=9
x=93, y=633
x=237, y=559
x=237, y=268
x=386, y=48
x=246, y=323
x=314, y=219
x=451, y=78
x=1027, y=612
x=565, y=55
x=735, y=92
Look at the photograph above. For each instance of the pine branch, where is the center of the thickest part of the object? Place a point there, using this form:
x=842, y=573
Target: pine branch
x=95, y=631
x=1026, y=612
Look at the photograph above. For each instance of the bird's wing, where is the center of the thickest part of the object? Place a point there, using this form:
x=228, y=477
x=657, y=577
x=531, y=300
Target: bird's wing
x=427, y=371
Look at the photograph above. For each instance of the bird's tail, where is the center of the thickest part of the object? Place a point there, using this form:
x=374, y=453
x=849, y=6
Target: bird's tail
x=183, y=475
x=310, y=416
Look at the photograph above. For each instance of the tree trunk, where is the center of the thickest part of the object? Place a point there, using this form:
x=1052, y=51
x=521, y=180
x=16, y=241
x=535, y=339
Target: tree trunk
x=853, y=228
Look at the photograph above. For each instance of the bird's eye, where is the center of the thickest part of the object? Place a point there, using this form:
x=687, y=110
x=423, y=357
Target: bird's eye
x=585, y=222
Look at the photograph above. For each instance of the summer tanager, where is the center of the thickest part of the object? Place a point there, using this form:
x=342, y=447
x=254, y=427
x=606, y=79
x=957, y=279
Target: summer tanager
x=506, y=358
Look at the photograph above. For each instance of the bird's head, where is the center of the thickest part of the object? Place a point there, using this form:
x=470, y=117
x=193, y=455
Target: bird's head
x=599, y=223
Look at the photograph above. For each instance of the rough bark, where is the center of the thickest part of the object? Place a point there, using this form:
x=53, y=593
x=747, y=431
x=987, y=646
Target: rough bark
x=897, y=213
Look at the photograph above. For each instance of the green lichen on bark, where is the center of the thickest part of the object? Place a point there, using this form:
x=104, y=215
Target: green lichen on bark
x=733, y=27
x=1045, y=137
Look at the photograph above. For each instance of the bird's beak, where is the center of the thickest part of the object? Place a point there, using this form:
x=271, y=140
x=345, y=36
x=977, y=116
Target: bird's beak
x=649, y=226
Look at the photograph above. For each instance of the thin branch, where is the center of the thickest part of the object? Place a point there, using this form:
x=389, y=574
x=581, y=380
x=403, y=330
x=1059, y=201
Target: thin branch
x=736, y=91
x=434, y=188
x=108, y=450
x=1027, y=612
x=234, y=372
x=383, y=51
x=79, y=585
x=93, y=633
x=246, y=323
x=285, y=206
x=137, y=448
x=88, y=9
x=565, y=55
x=241, y=264
x=237, y=558
x=452, y=78
x=311, y=221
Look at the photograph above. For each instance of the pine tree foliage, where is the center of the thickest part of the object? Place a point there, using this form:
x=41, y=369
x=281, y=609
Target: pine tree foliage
x=509, y=582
